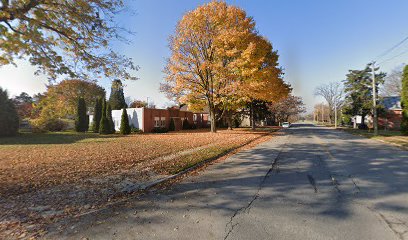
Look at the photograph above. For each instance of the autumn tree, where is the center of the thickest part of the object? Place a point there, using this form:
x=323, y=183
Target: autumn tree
x=61, y=99
x=138, y=104
x=358, y=90
x=404, y=102
x=70, y=38
x=9, y=121
x=285, y=108
x=214, y=54
x=81, y=120
x=24, y=105
x=333, y=94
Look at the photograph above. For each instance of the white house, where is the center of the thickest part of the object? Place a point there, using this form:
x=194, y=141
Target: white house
x=135, y=116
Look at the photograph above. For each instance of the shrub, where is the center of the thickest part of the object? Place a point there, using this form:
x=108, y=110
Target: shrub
x=160, y=130
x=172, y=126
x=44, y=124
x=186, y=124
x=97, y=115
x=9, y=120
x=135, y=129
x=110, y=119
x=81, y=120
x=104, y=127
x=124, y=123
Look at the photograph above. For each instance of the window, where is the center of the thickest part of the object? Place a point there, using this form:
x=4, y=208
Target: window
x=156, y=122
x=163, y=123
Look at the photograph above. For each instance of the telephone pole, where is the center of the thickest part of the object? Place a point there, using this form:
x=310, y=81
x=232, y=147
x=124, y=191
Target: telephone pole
x=335, y=114
x=375, y=116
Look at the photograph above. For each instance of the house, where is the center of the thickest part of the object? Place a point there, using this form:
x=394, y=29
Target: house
x=147, y=119
x=393, y=113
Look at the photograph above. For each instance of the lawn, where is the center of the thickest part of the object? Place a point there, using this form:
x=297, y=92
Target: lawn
x=394, y=137
x=64, y=174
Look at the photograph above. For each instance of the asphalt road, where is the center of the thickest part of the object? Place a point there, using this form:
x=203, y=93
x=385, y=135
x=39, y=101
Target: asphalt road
x=310, y=183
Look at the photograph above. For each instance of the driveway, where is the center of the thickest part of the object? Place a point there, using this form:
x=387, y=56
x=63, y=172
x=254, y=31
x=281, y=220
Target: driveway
x=309, y=183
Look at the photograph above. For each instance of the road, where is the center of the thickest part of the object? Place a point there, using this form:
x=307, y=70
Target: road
x=309, y=183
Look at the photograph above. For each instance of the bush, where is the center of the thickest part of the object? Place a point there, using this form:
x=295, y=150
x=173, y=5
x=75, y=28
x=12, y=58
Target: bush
x=9, y=120
x=124, y=123
x=44, y=124
x=172, y=126
x=135, y=129
x=81, y=120
x=186, y=124
x=160, y=130
x=194, y=126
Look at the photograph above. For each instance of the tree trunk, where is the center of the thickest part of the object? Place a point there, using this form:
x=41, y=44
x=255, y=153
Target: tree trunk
x=252, y=117
x=229, y=120
x=212, y=119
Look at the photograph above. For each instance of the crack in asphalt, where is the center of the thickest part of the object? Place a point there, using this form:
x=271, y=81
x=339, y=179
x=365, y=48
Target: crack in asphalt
x=391, y=224
x=312, y=181
x=247, y=207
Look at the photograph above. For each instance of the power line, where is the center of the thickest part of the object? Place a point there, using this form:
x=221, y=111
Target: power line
x=389, y=59
x=392, y=48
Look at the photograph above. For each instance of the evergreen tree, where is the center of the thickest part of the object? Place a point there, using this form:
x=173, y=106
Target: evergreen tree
x=186, y=124
x=110, y=119
x=404, y=102
x=104, y=127
x=117, y=98
x=81, y=120
x=97, y=115
x=172, y=126
x=124, y=123
x=9, y=121
x=359, y=92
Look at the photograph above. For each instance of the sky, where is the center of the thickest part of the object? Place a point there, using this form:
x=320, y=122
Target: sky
x=318, y=42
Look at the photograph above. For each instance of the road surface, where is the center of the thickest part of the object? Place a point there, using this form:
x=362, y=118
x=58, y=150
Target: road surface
x=310, y=183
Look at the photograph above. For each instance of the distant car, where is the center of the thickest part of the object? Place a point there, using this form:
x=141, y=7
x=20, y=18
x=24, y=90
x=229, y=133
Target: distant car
x=285, y=125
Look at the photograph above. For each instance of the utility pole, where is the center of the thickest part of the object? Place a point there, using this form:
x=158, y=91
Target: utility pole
x=375, y=117
x=147, y=103
x=322, y=113
x=335, y=114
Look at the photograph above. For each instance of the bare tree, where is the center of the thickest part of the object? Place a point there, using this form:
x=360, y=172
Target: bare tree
x=288, y=107
x=393, y=84
x=333, y=94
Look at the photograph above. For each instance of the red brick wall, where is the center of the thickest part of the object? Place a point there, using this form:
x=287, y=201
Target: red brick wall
x=392, y=120
x=149, y=116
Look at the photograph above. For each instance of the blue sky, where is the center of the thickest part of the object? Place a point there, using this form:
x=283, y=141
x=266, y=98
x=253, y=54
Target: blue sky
x=318, y=41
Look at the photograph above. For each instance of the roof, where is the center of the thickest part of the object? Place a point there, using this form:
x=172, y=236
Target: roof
x=392, y=103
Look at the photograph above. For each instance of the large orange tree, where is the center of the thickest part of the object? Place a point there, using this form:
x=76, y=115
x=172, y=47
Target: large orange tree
x=219, y=61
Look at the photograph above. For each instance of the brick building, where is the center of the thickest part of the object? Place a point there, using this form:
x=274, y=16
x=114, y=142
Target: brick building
x=146, y=119
x=393, y=115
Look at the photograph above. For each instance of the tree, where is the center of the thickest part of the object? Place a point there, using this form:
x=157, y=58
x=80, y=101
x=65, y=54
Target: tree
x=359, y=92
x=117, y=98
x=24, y=105
x=138, y=104
x=124, y=123
x=285, y=108
x=333, y=94
x=110, y=119
x=69, y=38
x=393, y=83
x=81, y=120
x=97, y=115
x=216, y=55
x=61, y=99
x=404, y=102
x=9, y=121
x=104, y=125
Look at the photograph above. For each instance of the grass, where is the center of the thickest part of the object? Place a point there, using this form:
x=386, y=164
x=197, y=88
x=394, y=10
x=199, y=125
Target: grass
x=394, y=137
